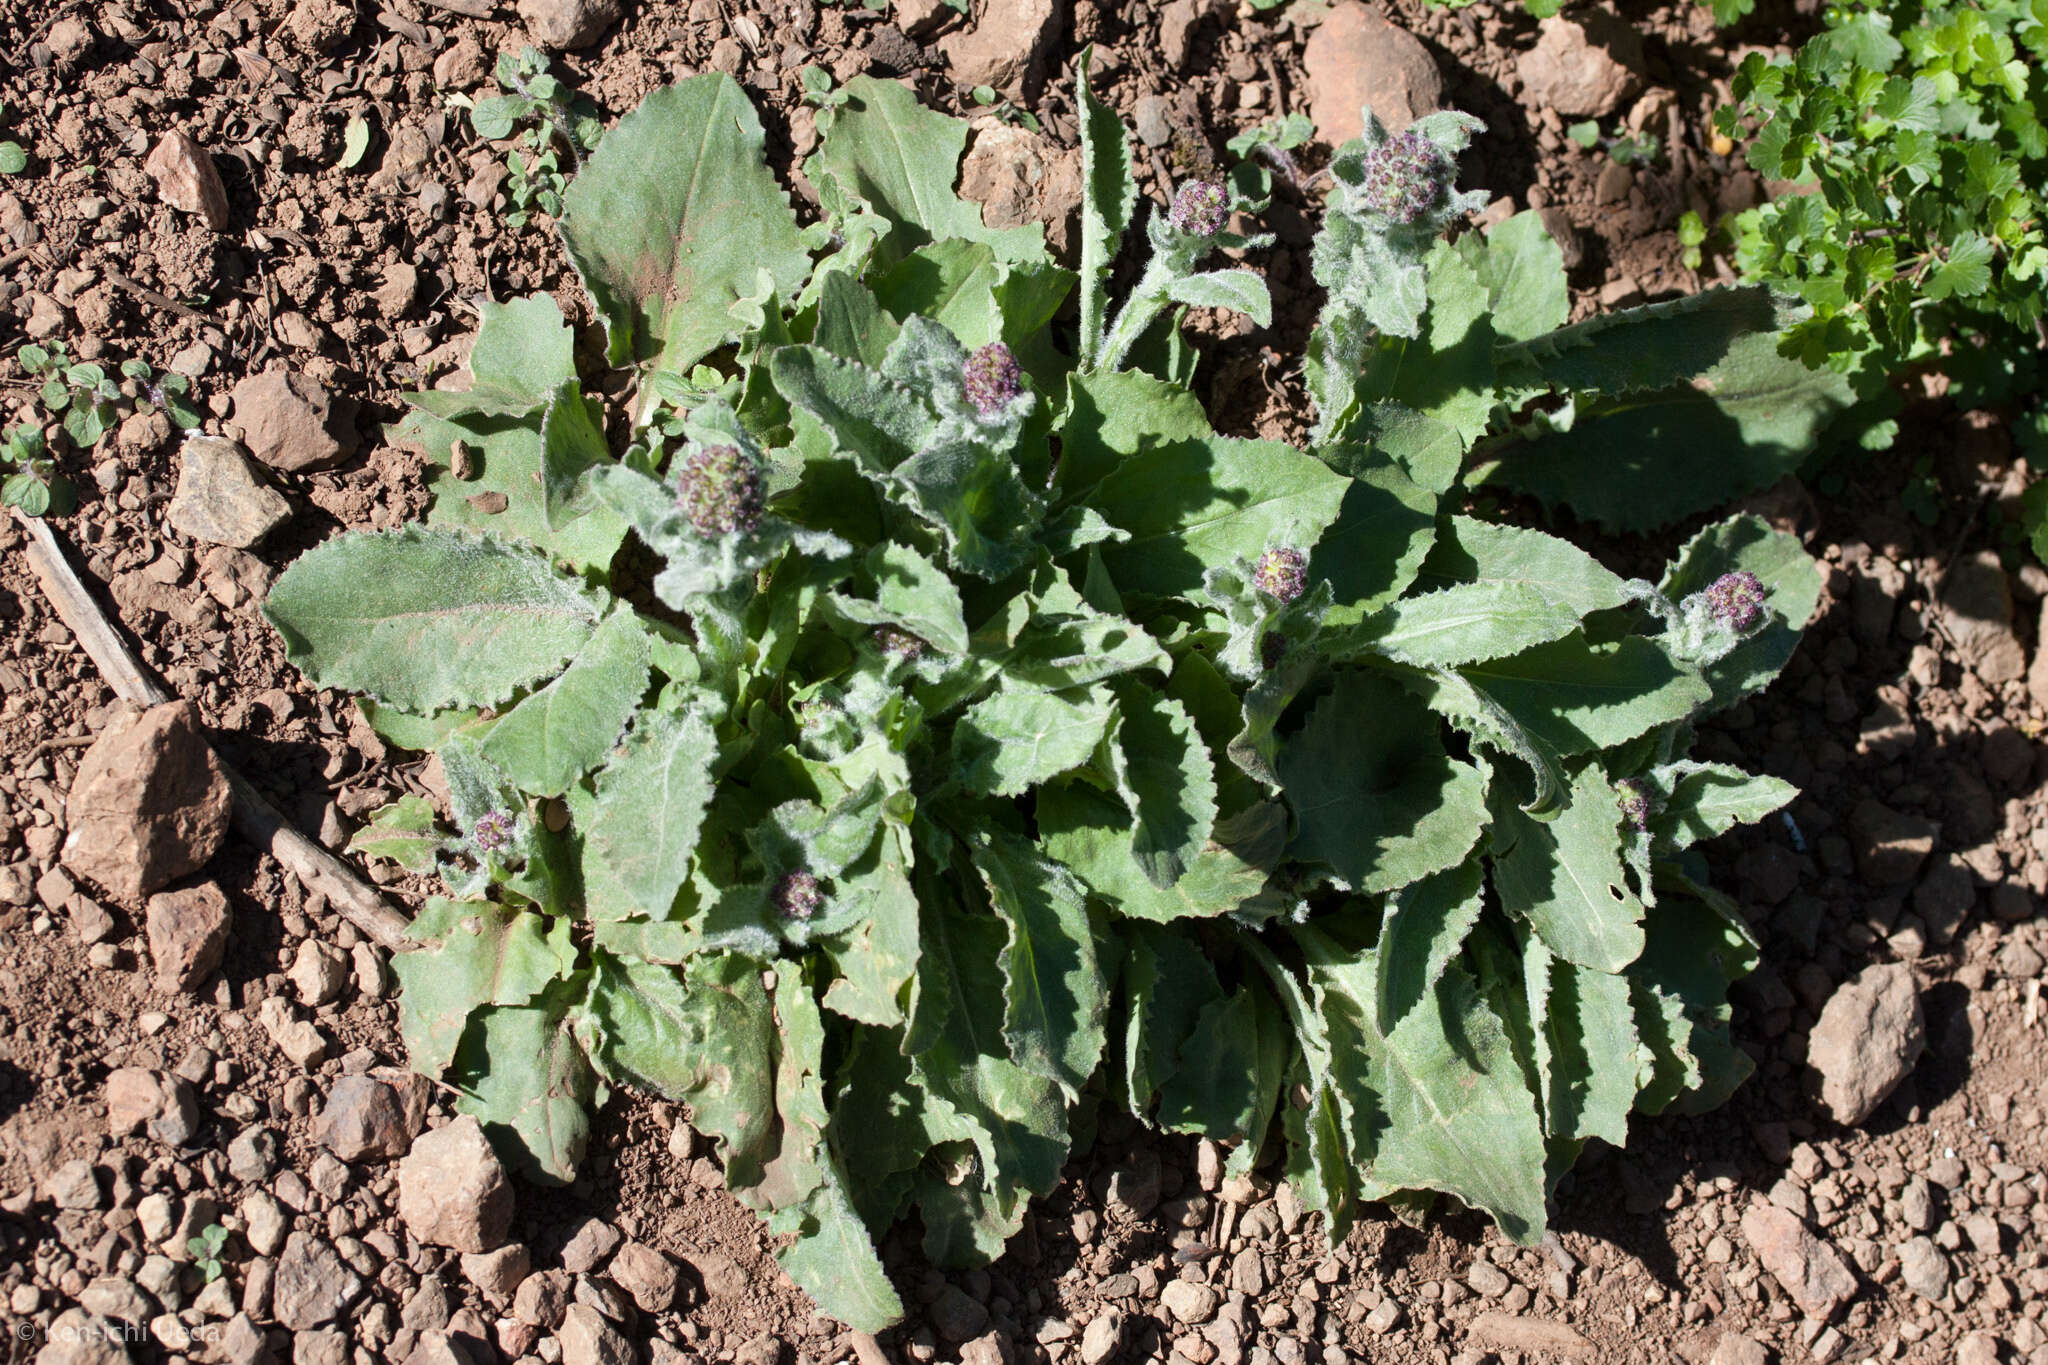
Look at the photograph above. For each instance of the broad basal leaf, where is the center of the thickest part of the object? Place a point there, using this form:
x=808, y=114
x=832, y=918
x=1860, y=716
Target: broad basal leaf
x=561, y=732
x=650, y=806
x=522, y=1073
x=1463, y=624
x=1377, y=799
x=1198, y=505
x=671, y=219
x=428, y=619
x=1011, y=741
x=1696, y=801
x=1574, y=697
x=1485, y=553
x=523, y=352
x=478, y=954
x=1167, y=780
x=1566, y=879
x=1054, y=992
x=404, y=832
x=1091, y=833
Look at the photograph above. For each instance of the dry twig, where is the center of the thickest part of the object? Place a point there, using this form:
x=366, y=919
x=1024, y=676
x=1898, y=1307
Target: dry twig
x=255, y=818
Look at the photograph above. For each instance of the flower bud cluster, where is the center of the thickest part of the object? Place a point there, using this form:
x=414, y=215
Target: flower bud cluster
x=1736, y=600
x=797, y=896
x=721, y=490
x=1281, y=574
x=991, y=378
x=898, y=644
x=1405, y=177
x=1635, y=802
x=493, y=831
x=1200, y=209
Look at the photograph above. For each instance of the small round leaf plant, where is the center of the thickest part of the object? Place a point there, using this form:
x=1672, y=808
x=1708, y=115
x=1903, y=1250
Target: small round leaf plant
x=926, y=729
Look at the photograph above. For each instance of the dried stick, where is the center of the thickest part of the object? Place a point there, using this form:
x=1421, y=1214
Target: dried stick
x=255, y=818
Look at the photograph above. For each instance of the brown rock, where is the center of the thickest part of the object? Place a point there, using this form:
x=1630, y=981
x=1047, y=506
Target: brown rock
x=186, y=179
x=498, y=1274
x=1736, y=1349
x=559, y=24
x=363, y=1119
x=646, y=1274
x=219, y=499
x=1007, y=46
x=1533, y=1336
x=1870, y=1034
x=1976, y=608
x=1812, y=1271
x=452, y=1190
x=291, y=423
x=1018, y=177
x=154, y=1102
x=1583, y=67
x=1890, y=847
x=1357, y=59
x=587, y=1339
x=188, y=932
x=150, y=802
x=313, y=1285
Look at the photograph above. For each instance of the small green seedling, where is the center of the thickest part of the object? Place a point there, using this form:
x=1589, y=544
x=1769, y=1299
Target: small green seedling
x=987, y=98
x=80, y=391
x=1692, y=235
x=13, y=160
x=1625, y=149
x=206, y=1250
x=166, y=392
x=32, y=483
x=542, y=116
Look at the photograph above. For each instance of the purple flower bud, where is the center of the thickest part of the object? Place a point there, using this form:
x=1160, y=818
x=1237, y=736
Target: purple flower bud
x=1272, y=649
x=1736, y=599
x=720, y=490
x=797, y=896
x=1405, y=177
x=493, y=831
x=1199, y=209
x=898, y=644
x=1281, y=574
x=991, y=378
x=1635, y=802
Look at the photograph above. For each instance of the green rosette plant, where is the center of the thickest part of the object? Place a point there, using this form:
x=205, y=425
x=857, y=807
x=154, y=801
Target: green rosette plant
x=895, y=735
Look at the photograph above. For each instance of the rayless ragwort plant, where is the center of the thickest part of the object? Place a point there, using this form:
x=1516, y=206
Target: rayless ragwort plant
x=915, y=738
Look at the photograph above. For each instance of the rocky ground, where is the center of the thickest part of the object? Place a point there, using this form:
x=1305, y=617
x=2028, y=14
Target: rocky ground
x=209, y=1147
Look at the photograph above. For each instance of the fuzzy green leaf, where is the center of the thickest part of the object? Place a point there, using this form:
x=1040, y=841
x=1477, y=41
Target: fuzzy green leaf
x=1573, y=697
x=1091, y=833
x=642, y=832
x=428, y=619
x=1700, y=800
x=1480, y=552
x=902, y=160
x=524, y=352
x=1424, y=927
x=1565, y=877
x=1465, y=623
x=1377, y=799
x=480, y=954
x=1199, y=505
x=1167, y=780
x=1055, y=995
x=1109, y=194
x=403, y=832
x=673, y=217
x=1013, y=741
x=555, y=736
x=522, y=1073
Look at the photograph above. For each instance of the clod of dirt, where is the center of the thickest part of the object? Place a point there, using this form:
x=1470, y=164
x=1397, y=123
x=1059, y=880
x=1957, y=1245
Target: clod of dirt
x=141, y=1100
x=1976, y=611
x=1007, y=48
x=1358, y=58
x=453, y=1191
x=1018, y=177
x=188, y=931
x=290, y=422
x=220, y=500
x=186, y=179
x=150, y=802
x=1584, y=67
x=1811, y=1270
x=1507, y=1332
x=1869, y=1036
x=559, y=24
